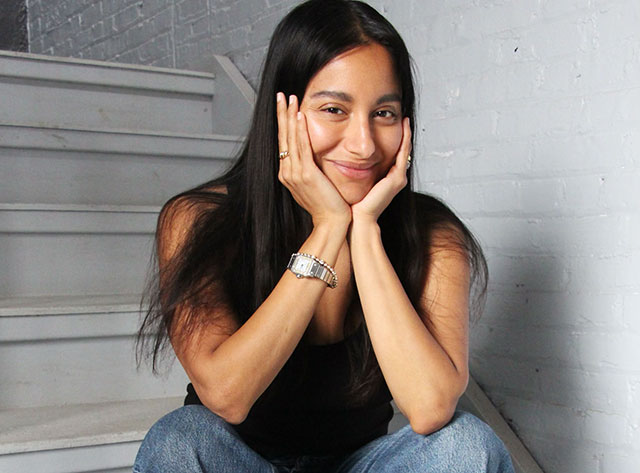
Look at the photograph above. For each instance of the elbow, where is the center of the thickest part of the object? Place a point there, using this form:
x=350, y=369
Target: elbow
x=232, y=415
x=225, y=406
x=432, y=416
x=428, y=422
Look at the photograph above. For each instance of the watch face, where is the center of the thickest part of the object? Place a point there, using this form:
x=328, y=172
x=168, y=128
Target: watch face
x=302, y=265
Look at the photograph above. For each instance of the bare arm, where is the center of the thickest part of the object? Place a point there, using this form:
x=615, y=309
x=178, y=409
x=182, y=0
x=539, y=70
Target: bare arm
x=230, y=367
x=423, y=360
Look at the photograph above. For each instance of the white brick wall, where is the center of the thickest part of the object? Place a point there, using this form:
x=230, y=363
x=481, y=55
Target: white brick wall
x=530, y=129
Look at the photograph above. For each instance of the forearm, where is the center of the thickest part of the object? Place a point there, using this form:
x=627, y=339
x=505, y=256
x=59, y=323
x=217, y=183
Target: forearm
x=231, y=378
x=424, y=381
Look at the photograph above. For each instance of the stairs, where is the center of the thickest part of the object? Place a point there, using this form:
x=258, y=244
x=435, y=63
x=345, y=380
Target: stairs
x=89, y=151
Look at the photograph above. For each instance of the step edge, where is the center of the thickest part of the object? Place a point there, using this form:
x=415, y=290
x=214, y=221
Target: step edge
x=158, y=407
x=105, y=64
x=124, y=131
x=67, y=443
x=56, y=219
x=43, y=306
x=88, y=208
x=52, y=70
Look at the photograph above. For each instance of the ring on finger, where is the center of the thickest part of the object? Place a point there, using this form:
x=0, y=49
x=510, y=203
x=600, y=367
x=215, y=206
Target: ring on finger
x=408, y=161
x=283, y=154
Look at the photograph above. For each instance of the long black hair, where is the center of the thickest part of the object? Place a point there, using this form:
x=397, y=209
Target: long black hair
x=245, y=224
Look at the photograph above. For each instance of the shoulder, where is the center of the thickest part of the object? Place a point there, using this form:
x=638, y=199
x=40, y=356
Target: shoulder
x=187, y=204
x=427, y=202
x=438, y=223
x=452, y=252
x=180, y=215
x=449, y=248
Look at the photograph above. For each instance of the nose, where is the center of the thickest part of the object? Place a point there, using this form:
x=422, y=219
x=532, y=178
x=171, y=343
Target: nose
x=359, y=139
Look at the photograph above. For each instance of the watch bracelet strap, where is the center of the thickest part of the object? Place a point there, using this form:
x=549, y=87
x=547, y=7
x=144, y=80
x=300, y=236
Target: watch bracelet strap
x=319, y=270
x=330, y=276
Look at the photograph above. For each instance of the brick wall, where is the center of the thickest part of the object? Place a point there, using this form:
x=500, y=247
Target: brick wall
x=180, y=33
x=242, y=29
x=531, y=131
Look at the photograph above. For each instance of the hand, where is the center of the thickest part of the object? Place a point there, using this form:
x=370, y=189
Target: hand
x=308, y=185
x=383, y=192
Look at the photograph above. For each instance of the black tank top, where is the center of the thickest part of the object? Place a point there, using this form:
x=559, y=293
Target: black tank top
x=309, y=412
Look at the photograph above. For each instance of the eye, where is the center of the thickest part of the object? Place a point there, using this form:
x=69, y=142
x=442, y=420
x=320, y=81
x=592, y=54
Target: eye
x=332, y=110
x=387, y=114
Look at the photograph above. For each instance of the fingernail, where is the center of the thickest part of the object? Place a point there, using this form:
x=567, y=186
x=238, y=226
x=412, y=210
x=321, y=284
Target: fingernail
x=279, y=97
x=299, y=115
x=291, y=99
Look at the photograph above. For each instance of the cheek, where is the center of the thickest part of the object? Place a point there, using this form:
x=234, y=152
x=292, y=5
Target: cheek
x=390, y=141
x=322, y=137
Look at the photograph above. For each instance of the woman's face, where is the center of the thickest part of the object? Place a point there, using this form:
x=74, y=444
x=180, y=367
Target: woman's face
x=353, y=110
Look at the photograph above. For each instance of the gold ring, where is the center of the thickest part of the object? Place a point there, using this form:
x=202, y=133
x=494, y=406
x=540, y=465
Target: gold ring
x=408, y=161
x=283, y=154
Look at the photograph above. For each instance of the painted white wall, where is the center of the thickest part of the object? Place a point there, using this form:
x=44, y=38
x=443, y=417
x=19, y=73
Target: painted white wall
x=529, y=128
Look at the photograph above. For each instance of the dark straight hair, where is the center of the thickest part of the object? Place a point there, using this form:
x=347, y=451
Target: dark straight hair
x=241, y=238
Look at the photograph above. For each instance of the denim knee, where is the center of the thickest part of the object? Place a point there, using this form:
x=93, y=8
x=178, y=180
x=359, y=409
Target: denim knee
x=475, y=444
x=465, y=444
x=173, y=442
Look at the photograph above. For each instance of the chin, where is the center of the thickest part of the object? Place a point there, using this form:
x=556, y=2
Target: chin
x=353, y=194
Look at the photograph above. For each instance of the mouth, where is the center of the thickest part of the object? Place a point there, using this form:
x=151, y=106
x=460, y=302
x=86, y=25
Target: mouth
x=355, y=170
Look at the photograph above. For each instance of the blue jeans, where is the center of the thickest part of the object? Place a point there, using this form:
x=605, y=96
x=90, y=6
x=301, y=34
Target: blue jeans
x=195, y=440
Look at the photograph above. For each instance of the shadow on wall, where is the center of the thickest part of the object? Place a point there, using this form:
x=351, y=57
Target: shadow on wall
x=525, y=348
x=13, y=25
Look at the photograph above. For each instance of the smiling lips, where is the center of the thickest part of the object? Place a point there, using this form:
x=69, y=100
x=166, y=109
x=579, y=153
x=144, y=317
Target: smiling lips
x=355, y=170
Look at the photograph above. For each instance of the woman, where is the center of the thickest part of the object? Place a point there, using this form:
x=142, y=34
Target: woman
x=293, y=367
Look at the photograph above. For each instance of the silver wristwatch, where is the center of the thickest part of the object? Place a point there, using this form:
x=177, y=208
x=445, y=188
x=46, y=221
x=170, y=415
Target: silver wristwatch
x=308, y=266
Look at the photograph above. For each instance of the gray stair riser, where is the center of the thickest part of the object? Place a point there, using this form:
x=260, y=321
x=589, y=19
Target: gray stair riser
x=73, y=264
x=79, y=370
x=42, y=104
x=109, y=458
x=125, y=142
x=74, y=71
x=98, y=178
x=52, y=220
x=67, y=326
x=46, y=92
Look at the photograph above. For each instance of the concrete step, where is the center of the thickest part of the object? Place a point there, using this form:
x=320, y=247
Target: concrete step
x=73, y=350
x=48, y=91
x=51, y=249
x=99, y=437
x=105, y=166
x=45, y=91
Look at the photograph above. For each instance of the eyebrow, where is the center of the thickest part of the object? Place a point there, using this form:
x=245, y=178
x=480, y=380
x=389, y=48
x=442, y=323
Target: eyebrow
x=348, y=98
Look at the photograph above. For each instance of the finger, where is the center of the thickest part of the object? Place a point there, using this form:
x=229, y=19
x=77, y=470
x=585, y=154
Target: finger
x=284, y=171
x=286, y=163
x=292, y=138
x=402, y=158
x=304, y=142
x=281, y=115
